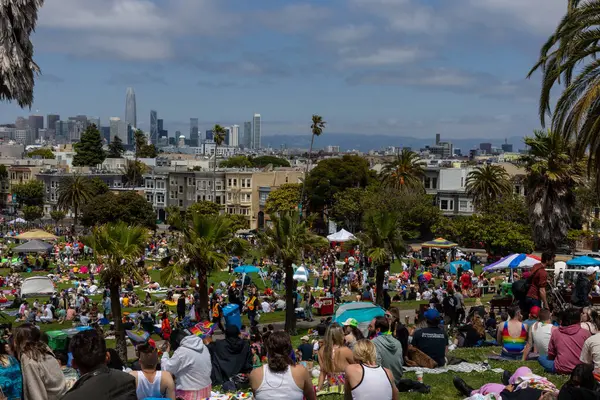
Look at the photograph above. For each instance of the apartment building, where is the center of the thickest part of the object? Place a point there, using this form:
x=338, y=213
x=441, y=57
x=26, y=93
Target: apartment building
x=263, y=184
x=188, y=187
x=156, y=192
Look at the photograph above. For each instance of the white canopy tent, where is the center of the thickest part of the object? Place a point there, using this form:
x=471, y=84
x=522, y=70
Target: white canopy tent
x=301, y=274
x=341, y=236
x=37, y=286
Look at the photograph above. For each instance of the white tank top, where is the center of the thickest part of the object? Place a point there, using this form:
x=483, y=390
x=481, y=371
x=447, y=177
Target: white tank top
x=375, y=384
x=145, y=388
x=278, y=386
x=540, y=334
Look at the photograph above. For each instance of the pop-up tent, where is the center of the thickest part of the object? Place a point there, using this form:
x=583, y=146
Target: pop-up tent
x=301, y=274
x=36, y=234
x=362, y=312
x=37, y=286
x=33, y=246
x=341, y=236
x=17, y=221
x=584, y=261
x=249, y=269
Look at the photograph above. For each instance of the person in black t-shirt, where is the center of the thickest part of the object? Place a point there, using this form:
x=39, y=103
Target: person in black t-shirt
x=432, y=340
x=306, y=349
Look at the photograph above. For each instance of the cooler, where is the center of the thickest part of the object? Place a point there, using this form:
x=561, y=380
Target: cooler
x=231, y=312
x=326, y=306
x=57, y=340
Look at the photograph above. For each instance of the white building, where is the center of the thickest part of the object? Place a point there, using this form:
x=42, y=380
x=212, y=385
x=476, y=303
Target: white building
x=234, y=136
x=256, y=132
x=208, y=149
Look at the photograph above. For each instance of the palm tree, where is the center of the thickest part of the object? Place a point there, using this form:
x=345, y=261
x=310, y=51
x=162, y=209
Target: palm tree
x=551, y=179
x=133, y=173
x=219, y=138
x=316, y=128
x=569, y=58
x=404, y=172
x=118, y=248
x=286, y=240
x=486, y=184
x=381, y=239
x=17, y=19
x=208, y=242
x=73, y=192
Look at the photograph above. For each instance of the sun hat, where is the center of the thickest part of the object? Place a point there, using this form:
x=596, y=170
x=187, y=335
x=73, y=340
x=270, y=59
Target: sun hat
x=351, y=322
x=591, y=270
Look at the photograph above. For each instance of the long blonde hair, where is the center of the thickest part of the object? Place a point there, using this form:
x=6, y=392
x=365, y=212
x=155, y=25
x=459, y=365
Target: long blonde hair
x=364, y=352
x=333, y=337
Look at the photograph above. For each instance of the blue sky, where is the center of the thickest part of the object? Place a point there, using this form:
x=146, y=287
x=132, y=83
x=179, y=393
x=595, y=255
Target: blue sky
x=397, y=67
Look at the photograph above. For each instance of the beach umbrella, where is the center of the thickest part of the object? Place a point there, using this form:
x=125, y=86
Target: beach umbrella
x=440, y=243
x=514, y=261
x=426, y=276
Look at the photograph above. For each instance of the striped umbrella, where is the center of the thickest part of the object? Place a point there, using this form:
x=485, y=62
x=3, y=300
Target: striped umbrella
x=514, y=261
x=440, y=243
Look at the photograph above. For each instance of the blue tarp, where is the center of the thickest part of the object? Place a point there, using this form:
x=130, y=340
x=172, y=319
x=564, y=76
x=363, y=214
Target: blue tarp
x=363, y=312
x=584, y=261
x=455, y=265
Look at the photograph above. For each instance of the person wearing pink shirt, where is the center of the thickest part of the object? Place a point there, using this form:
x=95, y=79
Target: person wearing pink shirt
x=566, y=342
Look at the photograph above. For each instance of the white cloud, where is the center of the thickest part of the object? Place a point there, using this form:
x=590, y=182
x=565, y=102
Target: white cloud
x=293, y=18
x=346, y=34
x=405, y=16
x=380, y=57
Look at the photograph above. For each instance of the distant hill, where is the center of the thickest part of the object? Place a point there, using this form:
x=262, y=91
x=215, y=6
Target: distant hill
x=354, y=141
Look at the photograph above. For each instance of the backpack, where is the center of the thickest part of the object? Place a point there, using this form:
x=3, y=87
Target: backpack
x=521, y=287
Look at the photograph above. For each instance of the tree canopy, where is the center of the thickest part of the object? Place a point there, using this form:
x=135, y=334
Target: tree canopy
x=29, y=193
x=236, y=162
x=129, y=207
x=116, y=148
x=250, y=162
x=284, y=199
x=203, y=208
x=42, y=152
x=31, y=213
x=142, y=148
x=88, y=151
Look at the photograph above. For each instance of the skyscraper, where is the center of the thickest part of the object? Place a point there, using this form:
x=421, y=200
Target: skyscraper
x=130, y=108
x=36, y=122
x=209, y=134
x=153, y=127
x=194, y=133
x=234, y=135
x=21, y=123
x=256, y=132
x=247, y=138
x=51, y=121
x=114, y=127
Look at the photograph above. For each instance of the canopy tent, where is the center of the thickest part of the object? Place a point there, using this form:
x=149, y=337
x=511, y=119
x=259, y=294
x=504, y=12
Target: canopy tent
x=33, y=246
x=249, y=269
x=514, y=261
x=37, y=286
x=584, y=261
x=36, y=234
x=341, y=236
x=17, y=221
x=440, y=243
x=362, y=312
x=301, y=274
x=455, y=265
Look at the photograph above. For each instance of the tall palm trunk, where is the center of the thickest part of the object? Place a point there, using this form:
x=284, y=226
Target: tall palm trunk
x=290, y=312
x=312, y=141
x=380, y=272
x=75, y=211
x=115, y=306
x=215, y=175
x=203, y=295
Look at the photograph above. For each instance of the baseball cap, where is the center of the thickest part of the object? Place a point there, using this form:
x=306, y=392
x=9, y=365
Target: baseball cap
x=592, y=270
x=351, y=322
x=535, y=311
x=305, y=338
x=431, y=314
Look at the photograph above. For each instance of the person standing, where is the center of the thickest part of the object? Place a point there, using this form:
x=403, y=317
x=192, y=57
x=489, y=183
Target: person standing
x=583, y=286
x=217, y=312
x=42, y=376
x=536, y=295
x=252, y=306
x=309, y=301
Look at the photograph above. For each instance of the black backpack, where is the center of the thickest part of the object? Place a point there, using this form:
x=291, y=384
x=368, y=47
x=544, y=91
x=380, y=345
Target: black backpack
x=521, y=287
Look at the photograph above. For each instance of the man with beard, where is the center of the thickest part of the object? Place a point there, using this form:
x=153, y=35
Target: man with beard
x=389, y=349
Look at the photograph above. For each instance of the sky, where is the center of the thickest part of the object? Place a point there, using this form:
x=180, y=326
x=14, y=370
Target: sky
x=395, y=67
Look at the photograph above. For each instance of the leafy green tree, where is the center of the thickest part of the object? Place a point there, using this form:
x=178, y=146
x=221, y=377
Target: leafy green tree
x=219, y=138
x=133, y=175
x=238, y=222
x=405, y=172
x=29, y=193
x=348, y=208
x=88, y=151
x=128, y=207
x=486, y=184
x=142, y=148
x=73, y=192
x=551, y=178
x=284, y=199
x=3, y=172
x=263, y=161
x=42, y=152
x=31, y=213
x=118, y=247
x=316, y=128
x=236, y=162
x=57, y=216
x=98, y=186
x=208, y=244
x=203, y=208
x=116, y=148
x=174, y=219
x=286, y=240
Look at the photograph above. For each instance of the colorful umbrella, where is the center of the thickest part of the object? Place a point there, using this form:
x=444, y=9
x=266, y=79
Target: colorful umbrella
x=439, y=243
x=426, y=276
x=514, y=261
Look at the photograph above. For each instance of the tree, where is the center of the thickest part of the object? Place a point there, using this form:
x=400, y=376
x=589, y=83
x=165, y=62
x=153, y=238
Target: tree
x=486, y=184
x=405, y=172
x=128, y=207
x=174, y=219
x=98, y=186
x=118, y=247
x=133, y=175
x=42, y=152
x=569, y=58
x=283, y=199
x=142, y=148
x=203, y=208
x=116, y=148
x=236, y=162
x=219, y=138
x=18, y=70
x=551, y=177
x=57, y=216
x=31, y=213
x=348, y=208
x=263, y=161
x=316, y=128
x=73, y=192
x=88, y=151
x=208, y=243
x=286, y=240
x=238, y=222
x=29, y=193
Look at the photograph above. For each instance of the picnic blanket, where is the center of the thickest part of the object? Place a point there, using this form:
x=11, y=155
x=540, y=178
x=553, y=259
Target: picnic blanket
x=462, y=367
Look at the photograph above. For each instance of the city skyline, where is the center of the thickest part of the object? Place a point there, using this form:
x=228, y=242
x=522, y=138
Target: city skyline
x=368, y=66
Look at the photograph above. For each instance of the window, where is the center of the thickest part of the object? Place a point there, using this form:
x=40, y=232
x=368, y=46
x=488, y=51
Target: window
x=462, y=181
x=463, y=205
x=180, y=189
x=262, y=197
x=219, y=186
x=160, y=198
x=517, y=189
x=203, y=184
x=243, y=182
x=447, y=205
x=287, y=179
x=191, y=182
x=13, y=175
x=229, y=181
x=47, y=189
x=219, y=200
x=427, y=182
x=149, y=184
x=180, y=203
x=150, y=198
x=173, y=194
x=228, y=196
x=434, y=183
x=234, y=182
x=52, y=197
x=190, y=196
x=160, y=184
x=249, y=182
x=173, y=181
x=52, y=184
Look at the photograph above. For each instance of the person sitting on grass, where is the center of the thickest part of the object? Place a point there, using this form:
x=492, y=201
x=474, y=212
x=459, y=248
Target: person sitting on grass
x=432, y=340
x=150, y=382
x=512, y=335
x=566, y=342
x=230, y=356
x=539, y=339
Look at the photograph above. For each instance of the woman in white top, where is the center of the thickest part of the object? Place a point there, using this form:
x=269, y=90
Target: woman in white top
x=150, y=382
x=281, y=379
x=367, y=380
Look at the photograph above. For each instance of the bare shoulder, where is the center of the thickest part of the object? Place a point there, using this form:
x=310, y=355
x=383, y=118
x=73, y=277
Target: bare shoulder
x=389, y=374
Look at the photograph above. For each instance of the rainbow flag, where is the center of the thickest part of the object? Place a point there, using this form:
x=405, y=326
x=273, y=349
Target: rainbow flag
x=203, y=329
